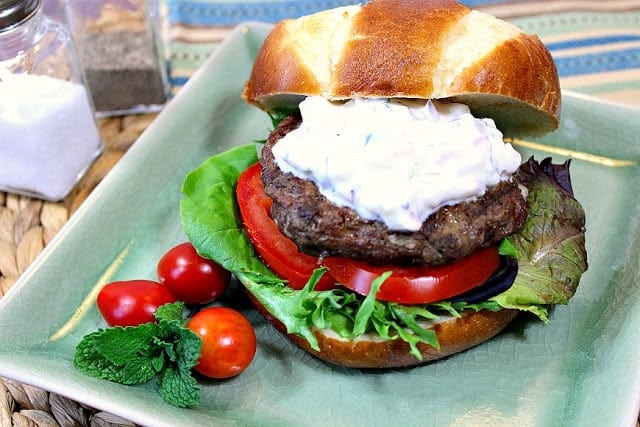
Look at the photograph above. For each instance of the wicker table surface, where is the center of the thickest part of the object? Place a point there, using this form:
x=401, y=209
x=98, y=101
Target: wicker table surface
x=27, y=225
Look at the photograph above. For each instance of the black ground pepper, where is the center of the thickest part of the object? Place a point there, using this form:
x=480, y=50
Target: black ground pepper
x=121, y=70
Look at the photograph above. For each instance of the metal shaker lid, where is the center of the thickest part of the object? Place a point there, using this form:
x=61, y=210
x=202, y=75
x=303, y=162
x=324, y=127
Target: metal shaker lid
x=13, y=12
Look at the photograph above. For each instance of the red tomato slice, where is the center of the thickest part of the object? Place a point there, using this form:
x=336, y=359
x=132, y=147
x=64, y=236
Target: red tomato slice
x=407, y=285
x=420, y=284
x=279, y=252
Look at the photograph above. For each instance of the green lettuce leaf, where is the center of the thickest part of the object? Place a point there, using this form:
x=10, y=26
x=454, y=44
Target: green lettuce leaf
x=209, y=212
x=550, y=247
x=550, y=252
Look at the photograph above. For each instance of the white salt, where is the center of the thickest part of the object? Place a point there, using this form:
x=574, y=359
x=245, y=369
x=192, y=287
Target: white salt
x=48, y=135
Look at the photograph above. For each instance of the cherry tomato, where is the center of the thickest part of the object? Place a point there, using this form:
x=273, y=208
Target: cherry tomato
x=407, y=285
x=276, y=250
x=419, y=284
x=228, y=341
x=132, y=302
x=190, y=277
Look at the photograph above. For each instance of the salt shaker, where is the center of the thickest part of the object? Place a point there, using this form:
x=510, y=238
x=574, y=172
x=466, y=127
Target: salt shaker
x=48, y=132
x=122, y=52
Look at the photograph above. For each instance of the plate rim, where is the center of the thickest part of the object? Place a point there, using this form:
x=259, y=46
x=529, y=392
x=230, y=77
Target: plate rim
x=32, y=378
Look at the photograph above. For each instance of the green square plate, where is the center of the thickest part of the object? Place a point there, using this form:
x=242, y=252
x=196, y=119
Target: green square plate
x=581, y=369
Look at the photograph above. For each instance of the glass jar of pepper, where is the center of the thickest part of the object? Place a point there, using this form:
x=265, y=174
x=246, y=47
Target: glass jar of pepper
x=122, y=52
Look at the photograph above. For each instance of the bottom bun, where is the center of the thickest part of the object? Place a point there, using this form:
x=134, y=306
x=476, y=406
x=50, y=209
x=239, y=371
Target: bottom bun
x=454, y=335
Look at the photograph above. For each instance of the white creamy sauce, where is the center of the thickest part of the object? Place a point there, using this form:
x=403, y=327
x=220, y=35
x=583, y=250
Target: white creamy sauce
x=396, y=161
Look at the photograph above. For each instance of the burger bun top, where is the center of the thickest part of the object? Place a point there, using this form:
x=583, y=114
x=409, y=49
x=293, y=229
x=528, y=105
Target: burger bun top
x=411, y=49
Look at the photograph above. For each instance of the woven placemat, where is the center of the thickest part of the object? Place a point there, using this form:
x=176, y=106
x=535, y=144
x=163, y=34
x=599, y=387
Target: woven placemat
x=27, y=225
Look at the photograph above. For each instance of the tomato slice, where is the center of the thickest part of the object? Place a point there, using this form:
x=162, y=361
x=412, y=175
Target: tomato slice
x=419, y=284
x=407, y=285
x=279, y=252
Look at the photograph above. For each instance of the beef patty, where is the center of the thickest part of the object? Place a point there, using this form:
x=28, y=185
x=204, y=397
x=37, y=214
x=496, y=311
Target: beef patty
x=319, y=227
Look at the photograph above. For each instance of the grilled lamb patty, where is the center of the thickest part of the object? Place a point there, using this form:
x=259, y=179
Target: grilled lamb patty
x=321, y=228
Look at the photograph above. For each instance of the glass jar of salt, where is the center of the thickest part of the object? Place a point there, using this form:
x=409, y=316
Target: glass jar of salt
x=122, y=52
x=48, y=131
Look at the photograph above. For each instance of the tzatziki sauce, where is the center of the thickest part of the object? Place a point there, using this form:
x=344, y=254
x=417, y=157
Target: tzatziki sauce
x=396, y=161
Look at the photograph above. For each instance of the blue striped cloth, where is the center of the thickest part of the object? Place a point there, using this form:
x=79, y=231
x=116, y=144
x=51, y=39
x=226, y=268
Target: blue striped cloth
x=595, y=43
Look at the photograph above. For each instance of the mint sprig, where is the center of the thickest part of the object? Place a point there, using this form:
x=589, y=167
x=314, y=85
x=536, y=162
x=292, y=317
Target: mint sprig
x=133, y=355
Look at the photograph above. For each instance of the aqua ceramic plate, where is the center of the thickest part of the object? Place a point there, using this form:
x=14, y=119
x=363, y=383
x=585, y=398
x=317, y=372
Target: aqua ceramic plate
x=580, y=369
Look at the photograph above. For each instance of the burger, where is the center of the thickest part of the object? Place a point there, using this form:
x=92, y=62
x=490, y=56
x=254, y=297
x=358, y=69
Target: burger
x=385, y=222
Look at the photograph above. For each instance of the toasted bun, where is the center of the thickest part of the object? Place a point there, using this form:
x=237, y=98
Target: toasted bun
x=454, y=335
x=411, y=49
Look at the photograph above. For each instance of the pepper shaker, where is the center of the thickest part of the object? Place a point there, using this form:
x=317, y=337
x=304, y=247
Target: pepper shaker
x=48, y=132
x=122, y=53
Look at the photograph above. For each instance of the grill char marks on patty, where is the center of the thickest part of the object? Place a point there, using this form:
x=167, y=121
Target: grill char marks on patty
x=321, y=228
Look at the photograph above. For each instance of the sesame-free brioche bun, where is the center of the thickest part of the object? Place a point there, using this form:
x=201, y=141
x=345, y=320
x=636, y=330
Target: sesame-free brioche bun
x=425, y=49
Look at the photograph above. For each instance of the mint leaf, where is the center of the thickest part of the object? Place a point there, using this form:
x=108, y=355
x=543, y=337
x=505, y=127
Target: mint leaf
x=172, y=311
x=135, y=354
x=123, y=355
x=178, y=387
x=185, y=344
x=120, y=344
